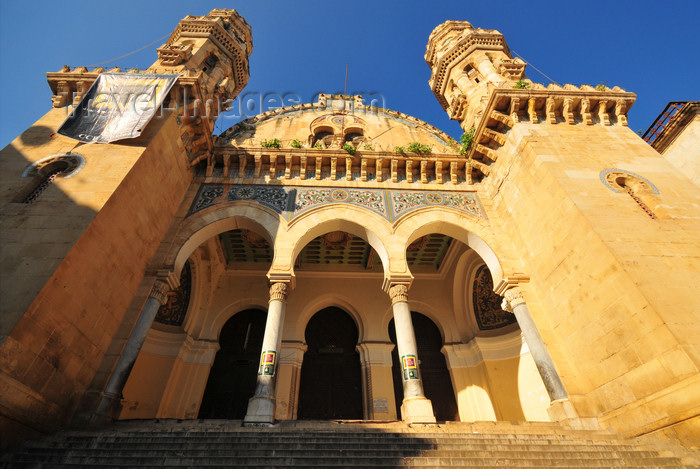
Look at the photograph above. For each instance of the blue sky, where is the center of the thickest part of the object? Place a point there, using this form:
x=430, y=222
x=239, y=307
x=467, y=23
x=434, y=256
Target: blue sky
x=649, y=48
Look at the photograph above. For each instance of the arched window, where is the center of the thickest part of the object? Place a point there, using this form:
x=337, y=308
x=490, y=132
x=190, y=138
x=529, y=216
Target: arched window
x=638, y=188
x=323, y=136
x=44, y=173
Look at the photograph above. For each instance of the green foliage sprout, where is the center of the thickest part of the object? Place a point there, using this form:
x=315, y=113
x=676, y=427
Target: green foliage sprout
x=466, y=140
x=295, y=143
x=521, y=85
x=415, y=147
x=274, y=143
x=349, y=148
x=368, y=147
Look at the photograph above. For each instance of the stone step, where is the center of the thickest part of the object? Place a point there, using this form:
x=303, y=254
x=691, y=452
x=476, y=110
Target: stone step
x=131, y=438
x=223, y=444
x=343, y=445
x=511, y=461
x=364, y=437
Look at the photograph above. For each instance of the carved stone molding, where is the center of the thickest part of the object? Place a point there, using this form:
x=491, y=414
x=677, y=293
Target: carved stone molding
x=160, y=292
x=279, y=291
x=398, y=293
x=512, y=298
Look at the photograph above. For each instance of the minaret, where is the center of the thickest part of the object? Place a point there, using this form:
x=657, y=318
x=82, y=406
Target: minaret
x=605, y=231
x=467, y=64
x=79, y=218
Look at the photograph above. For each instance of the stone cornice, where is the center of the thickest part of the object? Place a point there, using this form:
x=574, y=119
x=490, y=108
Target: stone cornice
x=551, y=105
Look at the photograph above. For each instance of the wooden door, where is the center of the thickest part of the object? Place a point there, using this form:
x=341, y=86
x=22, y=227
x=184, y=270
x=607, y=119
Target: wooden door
x=331, y=382
x=233, y=375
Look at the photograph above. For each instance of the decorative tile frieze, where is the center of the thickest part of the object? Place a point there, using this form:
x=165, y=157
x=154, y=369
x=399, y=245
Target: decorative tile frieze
x=292, y=201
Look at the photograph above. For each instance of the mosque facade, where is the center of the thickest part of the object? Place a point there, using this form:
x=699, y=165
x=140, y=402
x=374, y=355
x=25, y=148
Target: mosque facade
x=336, y=260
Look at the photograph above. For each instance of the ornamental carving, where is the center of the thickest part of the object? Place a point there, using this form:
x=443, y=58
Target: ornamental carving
x=513, y=297
x=159, y=292
x=177, y=301
x=487, y=304
x=279, y=291
x=398, y=293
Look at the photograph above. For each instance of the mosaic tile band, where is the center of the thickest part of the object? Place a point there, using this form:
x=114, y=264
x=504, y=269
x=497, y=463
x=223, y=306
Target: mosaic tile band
x=291, y=202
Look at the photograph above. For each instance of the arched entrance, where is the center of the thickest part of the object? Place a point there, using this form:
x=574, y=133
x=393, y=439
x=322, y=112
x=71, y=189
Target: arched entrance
x=437, y=383
x=232, y=377
x=331, y=382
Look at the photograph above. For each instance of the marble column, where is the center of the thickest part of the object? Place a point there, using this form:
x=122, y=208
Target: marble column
x=261, y=407
x=416, y=408
x=117, y=380
x=515, y=303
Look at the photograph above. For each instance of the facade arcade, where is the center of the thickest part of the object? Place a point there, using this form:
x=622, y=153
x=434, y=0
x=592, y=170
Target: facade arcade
x=338, y=261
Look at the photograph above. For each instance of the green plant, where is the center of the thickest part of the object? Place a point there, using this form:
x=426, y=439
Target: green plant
x=295, y=143
x=415, y=147
x=274, y=143
x=398, y=149
x=368, y=147
x=350, y=148
x=601, y=87
x=466, y=140
x=521, y=85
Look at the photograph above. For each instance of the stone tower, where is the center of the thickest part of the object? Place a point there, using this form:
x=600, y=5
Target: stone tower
x=99, y=206
x=604, y=228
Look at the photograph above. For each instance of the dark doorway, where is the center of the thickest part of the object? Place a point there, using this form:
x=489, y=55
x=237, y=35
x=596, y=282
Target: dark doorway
x=233, y=375
x=331, y=382
x=437, y=383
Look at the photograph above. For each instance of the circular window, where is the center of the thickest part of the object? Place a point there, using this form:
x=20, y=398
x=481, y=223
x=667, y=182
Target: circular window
x=66, y=165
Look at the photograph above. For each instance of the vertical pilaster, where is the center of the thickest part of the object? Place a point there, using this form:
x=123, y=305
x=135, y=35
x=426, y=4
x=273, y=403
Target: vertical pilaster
x=377, y=380
x=416, y=408
x=188, y=379
x=261, y=407
x=287, y=394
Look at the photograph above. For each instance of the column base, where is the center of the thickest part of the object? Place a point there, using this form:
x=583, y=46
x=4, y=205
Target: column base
x=562, y=411
x=417, y=410
x=261, y=410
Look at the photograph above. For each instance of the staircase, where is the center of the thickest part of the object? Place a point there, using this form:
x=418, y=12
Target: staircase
x=304, y=444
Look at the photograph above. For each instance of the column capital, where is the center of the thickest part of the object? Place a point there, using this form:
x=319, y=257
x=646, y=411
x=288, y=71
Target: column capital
x=512, y=298
x=279, y=291
x=160, y=292
x=398, y=292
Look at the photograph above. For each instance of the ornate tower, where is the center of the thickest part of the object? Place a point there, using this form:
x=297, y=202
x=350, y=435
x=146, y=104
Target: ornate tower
x=598, y=218
x=466, y=65
x=99, y=204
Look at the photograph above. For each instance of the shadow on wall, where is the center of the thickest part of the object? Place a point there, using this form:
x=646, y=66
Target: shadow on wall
x=44, y=352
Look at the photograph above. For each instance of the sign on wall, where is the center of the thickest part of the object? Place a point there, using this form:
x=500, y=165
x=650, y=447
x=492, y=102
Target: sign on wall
x=117, y=106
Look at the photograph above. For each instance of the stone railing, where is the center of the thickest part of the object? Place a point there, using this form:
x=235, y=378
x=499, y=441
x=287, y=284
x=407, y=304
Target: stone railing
x=265, y=164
